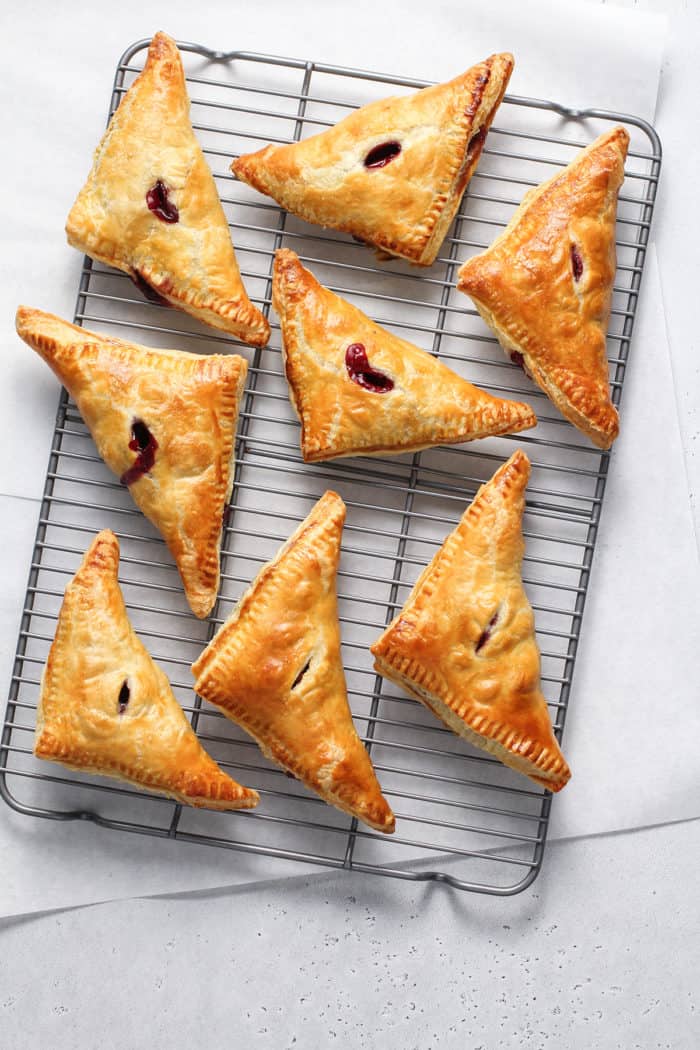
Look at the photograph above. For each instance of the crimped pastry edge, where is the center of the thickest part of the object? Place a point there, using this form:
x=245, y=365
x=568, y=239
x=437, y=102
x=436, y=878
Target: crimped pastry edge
x=421, y=245
x=601, y=436
x=248, y=798
x=104, y=549
x=328, y=512
x=42, y=332
x=288, y=275
x=283, y=759
x=425, y=686
x=238, y=316
x=584, y=419
x=546, y=769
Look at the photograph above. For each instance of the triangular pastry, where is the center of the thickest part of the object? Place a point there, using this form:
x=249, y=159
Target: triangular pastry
x=275, y=668
x=165, y=422
x=150, y=205
x=393, y=172
x=545, y=285
x=105, y=707
x=464, y=642
x=359, y=389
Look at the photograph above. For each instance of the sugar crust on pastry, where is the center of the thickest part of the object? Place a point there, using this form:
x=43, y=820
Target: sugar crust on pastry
x=352, y=177
x=464, y=643
x=413, y=402
x=275, y=668
x=176, y=408
x=545, y=285
x=105, y=707
x=150, y=205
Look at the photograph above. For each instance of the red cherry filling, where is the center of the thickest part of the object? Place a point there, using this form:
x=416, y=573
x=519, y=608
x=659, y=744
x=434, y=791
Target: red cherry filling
x=124, y=696
x=486, y=633
x=142, y=442
x=576, y=262
x=160, y=204
x=475, y=145
x=147, y=290
x=363, y=374
x=301, y=674
x=519, y=359
x=381, y=155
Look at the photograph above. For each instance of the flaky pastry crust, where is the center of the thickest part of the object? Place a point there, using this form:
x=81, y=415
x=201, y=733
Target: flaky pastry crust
x=545, y=285
x=428, y=404
x=275, y=668
x=464, y=643
x=405, y=206
x=189, y=262
x=189, y=405
x=106, y=708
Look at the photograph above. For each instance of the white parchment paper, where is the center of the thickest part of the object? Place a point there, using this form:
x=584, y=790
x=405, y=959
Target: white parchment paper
x=625, y=774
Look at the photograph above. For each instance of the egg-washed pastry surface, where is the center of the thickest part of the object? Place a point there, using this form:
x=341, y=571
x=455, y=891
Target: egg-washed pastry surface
x=545, y=285
x=105, y=707
x=464, y=643
x=393, y=172
x=275, y=668
x=360, y=390
x=150, y=205
x=165, y=422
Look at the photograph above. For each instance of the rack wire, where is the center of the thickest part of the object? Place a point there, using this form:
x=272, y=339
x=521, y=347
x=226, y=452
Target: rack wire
x=462, y=817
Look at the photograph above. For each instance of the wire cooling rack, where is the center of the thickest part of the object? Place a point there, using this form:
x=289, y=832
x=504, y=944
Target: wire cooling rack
x=462, y=817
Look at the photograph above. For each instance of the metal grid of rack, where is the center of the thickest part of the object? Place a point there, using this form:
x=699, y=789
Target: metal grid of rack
x=462, y=817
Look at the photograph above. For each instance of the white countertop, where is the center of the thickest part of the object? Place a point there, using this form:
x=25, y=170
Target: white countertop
x=599, y=953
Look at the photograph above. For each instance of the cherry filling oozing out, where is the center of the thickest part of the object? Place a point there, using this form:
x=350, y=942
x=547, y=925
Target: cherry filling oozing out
x=147, y=290
x=158, y=200
x=486, y=633
x=517, y=359
x=381, y=155
x=124, y=696
x=145, y=445
x=362, y=373
x=576, y=262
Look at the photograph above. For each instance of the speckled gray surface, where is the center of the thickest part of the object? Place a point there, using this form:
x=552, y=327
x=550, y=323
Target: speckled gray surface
x=602, y=953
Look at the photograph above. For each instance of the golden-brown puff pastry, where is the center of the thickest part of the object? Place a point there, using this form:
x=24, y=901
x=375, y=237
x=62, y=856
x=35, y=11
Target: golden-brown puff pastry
x=150, y=205
x=106, y=708
x=165, y=422
x=464, y=642
x=545, y=285
x=358, y=389
x=392, y=173
x=275, y=668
